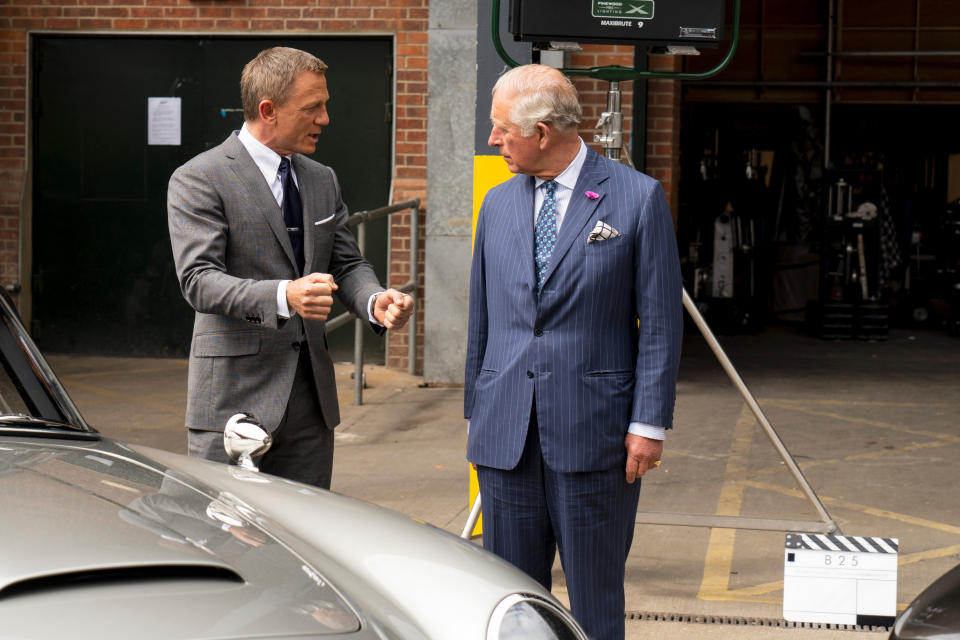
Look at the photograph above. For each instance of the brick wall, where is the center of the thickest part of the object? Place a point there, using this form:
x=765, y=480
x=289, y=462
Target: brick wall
x=663, y=110
x=663, y=128
x=397, y=342
x=13, y=64
x=410, y=173
x=407, y=19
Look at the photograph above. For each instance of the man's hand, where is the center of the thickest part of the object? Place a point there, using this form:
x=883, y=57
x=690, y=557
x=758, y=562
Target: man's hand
x=311, y=296
x=642, y=455
x=392, y=309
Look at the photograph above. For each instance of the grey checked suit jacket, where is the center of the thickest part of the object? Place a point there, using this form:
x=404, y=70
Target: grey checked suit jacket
x=578, y=349
x=231, y=249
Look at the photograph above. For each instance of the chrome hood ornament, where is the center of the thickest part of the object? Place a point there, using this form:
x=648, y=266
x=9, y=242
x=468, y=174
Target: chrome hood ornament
x=244, y=439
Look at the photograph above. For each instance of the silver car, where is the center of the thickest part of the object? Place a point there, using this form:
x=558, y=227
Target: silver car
x=101, y=539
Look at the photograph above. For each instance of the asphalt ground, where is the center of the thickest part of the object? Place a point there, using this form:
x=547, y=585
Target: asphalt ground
x=874, y=426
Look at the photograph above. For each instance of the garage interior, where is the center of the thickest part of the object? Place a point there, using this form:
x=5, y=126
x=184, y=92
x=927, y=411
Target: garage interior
x=820, y=171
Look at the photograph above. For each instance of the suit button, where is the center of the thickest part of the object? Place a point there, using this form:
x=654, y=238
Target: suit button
x=529, y=374
x=538, y=332
x=296, y=346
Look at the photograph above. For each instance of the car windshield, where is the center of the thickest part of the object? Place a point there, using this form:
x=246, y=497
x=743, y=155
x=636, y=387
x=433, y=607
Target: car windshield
x=31, y=398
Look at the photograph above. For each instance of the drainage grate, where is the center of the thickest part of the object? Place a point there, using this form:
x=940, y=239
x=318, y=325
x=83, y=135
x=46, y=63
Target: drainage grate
x=746, y=622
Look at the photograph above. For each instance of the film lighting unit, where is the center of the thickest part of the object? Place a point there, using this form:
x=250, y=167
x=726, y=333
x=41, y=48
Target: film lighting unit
x=668, y=23
x=674, y=26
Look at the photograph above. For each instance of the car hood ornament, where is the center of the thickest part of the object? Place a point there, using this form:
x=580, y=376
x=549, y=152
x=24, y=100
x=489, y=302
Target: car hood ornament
x=244, y=439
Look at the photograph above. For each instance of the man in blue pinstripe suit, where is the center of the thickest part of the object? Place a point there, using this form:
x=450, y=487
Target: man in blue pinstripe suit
x=574, y=340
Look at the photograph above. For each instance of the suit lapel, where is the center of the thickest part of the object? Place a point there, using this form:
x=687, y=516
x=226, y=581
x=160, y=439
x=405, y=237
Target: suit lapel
x=522, y=215
x=264, y=202
x=580, y=208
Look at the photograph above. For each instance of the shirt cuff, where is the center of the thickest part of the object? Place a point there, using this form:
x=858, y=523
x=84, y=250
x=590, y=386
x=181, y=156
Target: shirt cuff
x=647, y=431
x=283, y=311
x=370, y=309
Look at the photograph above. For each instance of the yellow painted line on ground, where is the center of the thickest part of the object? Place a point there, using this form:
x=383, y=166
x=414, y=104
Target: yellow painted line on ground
x=752, y=592
x=151, y=402
x=71, y=383
x=874, y=423
x=929, y=554
x=852, y=506
x=757, y=590
x=756, y=593
x=872, y=455
x=810, y=464
x=862, y=403
x=715, y=585
x=736, y=596
x=177, y=367
x=719, y=556
x=905, y=559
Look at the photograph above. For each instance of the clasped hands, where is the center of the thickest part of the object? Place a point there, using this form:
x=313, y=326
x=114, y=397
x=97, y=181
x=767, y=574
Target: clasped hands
x=311, y=297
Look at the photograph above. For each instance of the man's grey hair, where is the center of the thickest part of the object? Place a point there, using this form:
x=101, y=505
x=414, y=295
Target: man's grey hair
x=270, y=76
x=540, y=94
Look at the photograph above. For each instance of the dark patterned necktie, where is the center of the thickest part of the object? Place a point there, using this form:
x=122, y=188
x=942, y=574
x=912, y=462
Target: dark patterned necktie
x=545, y=231
x=292, y=211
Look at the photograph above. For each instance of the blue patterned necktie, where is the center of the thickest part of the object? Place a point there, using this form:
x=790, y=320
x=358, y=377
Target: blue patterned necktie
x=292, y=211
x=545, y=231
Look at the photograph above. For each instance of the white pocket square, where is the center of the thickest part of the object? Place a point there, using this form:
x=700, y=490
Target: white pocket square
x=602, y=232
x=327, y=219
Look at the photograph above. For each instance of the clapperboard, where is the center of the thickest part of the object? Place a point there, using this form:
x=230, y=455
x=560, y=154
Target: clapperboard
x=840, y=579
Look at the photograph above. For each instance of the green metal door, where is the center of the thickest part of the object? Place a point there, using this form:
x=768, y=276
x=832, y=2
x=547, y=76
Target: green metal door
x=103, y=276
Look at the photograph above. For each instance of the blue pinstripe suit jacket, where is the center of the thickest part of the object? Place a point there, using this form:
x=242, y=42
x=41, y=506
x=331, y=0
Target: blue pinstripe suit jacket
x=579, y=349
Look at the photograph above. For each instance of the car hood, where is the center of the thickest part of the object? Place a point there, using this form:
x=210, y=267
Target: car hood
x=934, y=614
x=88, y=526
x=158, y=545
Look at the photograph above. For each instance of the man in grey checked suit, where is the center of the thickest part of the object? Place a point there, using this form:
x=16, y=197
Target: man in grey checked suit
x=575, y=327
x=261, y=245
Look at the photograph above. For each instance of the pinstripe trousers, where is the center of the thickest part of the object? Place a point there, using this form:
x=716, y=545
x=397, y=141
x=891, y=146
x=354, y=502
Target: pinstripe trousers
x=531, y=511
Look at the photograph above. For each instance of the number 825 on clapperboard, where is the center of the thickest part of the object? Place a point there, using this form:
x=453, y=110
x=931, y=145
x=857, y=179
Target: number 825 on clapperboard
x=840, y=579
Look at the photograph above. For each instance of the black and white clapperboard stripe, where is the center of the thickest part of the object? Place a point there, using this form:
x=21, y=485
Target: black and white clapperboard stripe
x=840, y=544
x=840, y=579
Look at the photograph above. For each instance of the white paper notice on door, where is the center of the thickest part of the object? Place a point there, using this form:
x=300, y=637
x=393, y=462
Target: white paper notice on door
x=163, y=121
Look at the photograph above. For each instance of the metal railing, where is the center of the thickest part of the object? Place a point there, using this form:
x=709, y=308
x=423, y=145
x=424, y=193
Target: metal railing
x=360, y=220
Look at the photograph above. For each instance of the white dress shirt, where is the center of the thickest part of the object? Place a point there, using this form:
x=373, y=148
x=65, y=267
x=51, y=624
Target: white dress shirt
x=268, y=161
x=566, y=182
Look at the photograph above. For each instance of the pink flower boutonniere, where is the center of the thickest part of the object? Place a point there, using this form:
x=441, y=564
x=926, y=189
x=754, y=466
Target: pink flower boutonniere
x=591, y=194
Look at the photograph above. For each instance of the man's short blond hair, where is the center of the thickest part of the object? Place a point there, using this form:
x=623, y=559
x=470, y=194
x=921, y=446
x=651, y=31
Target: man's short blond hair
x=540, y=94
x=270, y=76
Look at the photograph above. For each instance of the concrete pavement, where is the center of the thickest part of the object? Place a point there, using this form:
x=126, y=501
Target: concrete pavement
x=874, y=426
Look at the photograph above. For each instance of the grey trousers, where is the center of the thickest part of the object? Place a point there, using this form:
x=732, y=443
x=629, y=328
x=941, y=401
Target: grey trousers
x=302, y=447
